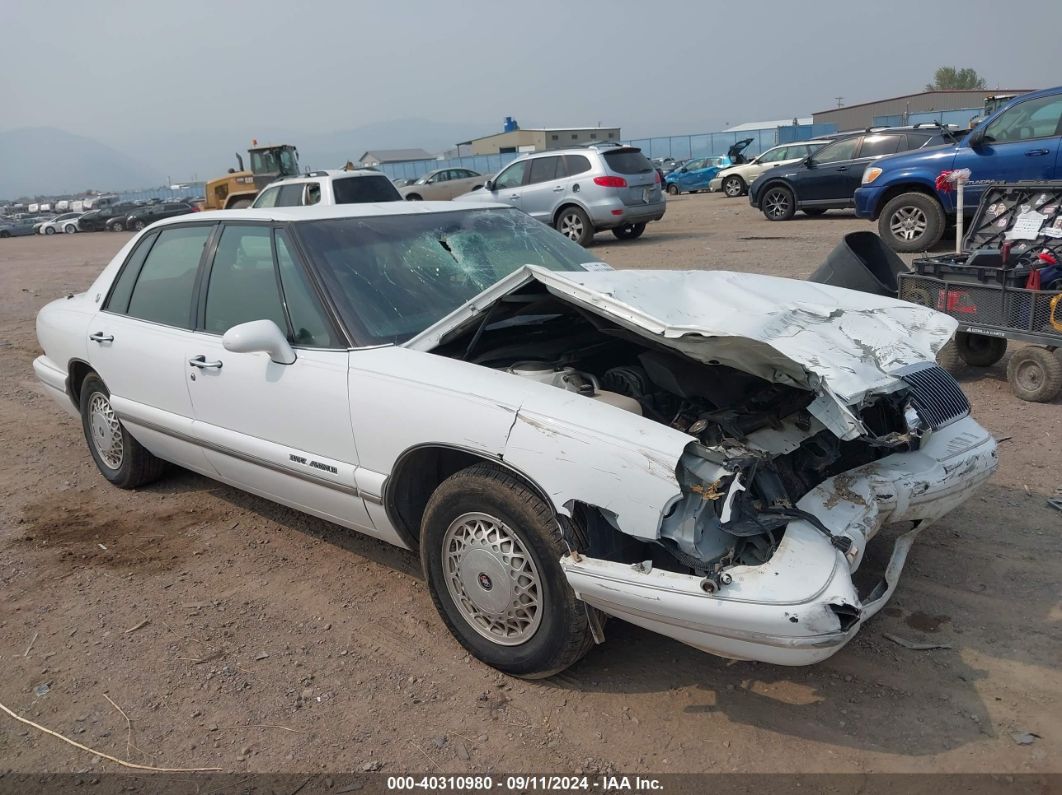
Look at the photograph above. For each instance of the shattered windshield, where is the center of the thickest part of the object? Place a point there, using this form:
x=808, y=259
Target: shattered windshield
x=393, y=276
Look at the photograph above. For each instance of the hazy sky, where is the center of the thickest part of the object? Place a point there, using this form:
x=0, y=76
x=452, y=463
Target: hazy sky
x=114, y=70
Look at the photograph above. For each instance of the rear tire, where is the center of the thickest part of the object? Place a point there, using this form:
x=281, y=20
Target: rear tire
x=414, y=197
x=979, y=350
x=629, y=231
x=490, y=548
x=734, y=186
x=778, y=203
x=49, y=230
x=138, y=225
x=911, y=222
x=1035, y=374
x=70, y=229
x=116, y=226
x=119, y=457
x=575, y=225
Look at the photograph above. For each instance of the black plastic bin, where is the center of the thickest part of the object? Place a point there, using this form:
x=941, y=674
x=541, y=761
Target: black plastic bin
x=861, y=262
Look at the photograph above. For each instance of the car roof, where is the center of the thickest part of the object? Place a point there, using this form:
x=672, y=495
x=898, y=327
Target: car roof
x=330, y=173
x=321, y=212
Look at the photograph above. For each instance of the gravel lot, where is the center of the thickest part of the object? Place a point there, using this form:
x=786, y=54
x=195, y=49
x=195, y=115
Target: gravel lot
x=238, y=634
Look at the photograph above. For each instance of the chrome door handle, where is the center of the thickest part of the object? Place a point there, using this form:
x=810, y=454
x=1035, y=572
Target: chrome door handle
x=558, y=189
x=1037, y=152
x=203, y=364
x=99, y=336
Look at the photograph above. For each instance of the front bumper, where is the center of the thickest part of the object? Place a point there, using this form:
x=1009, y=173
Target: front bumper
x=867, y=201
x=801, y=606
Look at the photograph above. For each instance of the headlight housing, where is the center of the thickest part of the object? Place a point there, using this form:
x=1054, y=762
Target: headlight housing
x=870, y=174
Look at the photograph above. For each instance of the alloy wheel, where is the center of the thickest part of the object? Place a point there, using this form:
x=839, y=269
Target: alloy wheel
x=908, y=223
x=571, y=226
x=776, y=202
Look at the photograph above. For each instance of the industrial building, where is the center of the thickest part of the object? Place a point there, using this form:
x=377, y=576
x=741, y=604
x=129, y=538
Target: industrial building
x=902, y=108
x=375, y=157
x=536, y=139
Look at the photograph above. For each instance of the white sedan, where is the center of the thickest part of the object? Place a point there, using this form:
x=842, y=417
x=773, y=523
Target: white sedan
x=705, y=454
x=67, y=223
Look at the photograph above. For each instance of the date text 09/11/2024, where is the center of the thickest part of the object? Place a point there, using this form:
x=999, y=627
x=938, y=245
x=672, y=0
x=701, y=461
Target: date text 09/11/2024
x=525, y=783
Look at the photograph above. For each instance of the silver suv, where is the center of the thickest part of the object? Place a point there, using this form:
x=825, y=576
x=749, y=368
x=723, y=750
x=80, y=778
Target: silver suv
x=581, y=191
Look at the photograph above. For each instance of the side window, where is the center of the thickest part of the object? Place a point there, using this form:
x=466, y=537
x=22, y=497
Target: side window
x=841, y=150
x=543, y=169
x=313, y=193
x=1034, y=118
x=577, y=164
x=310, y=328
x=878, y=145
x=163, y=290
x=123, y=286
x=774, y=155
x=512, y=177
x=290, y=195
x=268, y=198
x=243, y=283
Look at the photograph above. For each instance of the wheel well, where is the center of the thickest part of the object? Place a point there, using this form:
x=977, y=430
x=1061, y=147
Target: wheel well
x=416, y=197
x=77, y=373
x=773, y=184
x=896, y=190
x=564, y=207
x=416, y=476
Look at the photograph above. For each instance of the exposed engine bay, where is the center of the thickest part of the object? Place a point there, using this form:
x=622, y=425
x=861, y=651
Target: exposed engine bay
x=758, y=448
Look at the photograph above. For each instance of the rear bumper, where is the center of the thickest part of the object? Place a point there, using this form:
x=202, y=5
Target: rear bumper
x=55, y=382
x=603, y=217
x=715, y=185
x=801, y=606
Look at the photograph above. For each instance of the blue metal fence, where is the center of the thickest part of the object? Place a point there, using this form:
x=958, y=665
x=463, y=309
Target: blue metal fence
x=484, y=164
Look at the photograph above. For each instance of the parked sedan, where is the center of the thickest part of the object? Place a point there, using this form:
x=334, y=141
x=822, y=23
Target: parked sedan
x=17, y=228
x=106, y=217
x=695, y=175
x=558, y=440
x=67, y=223
x=138, y=219
x=443, y=184
x=735, y=180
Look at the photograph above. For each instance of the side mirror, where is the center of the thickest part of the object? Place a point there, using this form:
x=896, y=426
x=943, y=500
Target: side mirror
x=809, y=162
x=976, y=138
x=488, y=185
x=683, y=170
x=259, y=336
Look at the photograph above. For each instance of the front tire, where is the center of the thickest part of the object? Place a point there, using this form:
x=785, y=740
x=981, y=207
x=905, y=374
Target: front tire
x=575, y=225
x=116, y=226
x=491, y=549
x=414, y=197
x=49, y=230
x=119, y=457
x=138, y=225
x=778, y=203
x=911, y=222
x=734, y=186
x=673, y=190
x=70, y=229
x=629, y=231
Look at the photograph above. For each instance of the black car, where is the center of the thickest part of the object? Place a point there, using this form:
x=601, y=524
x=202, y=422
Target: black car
x=97, y=220
x=827, y=179
x=141, y=217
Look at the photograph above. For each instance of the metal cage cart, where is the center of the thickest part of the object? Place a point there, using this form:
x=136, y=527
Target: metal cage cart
x=1005, y=285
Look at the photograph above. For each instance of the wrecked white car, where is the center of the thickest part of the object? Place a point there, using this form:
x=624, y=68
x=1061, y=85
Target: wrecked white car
x=705, y=454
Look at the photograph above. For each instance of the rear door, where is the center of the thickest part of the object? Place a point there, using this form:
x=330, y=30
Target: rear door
x=137, y=341
x=282, y=431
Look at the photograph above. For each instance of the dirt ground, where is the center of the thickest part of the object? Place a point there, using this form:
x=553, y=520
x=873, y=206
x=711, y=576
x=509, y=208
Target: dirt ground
x=238, y=634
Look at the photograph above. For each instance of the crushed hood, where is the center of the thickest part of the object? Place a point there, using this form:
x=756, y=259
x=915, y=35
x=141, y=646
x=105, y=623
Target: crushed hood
x=837, y=342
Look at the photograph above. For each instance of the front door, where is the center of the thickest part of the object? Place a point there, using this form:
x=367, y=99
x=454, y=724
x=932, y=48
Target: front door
x=545, y=186
x=1022, y=143
x=509, y=184
x=282, y=431
x=832, y=172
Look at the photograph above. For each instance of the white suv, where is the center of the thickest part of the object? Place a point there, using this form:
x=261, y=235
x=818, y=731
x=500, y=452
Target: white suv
x=329, y=187
x=735, y=181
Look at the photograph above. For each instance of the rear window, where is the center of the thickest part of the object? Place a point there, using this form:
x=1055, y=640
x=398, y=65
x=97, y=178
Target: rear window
x=628, y=161
x=359, y=190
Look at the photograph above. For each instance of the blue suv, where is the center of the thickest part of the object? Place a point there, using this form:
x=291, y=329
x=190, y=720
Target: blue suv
x=1018, y=142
